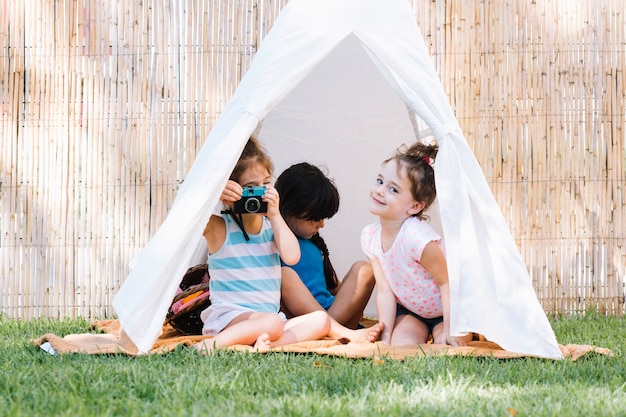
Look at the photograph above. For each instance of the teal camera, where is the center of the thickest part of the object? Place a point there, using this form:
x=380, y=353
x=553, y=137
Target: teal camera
x=250, y=201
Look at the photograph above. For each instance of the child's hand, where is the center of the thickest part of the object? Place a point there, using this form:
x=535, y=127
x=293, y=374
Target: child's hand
x=272, y=199
x=445, y=339
x=442, y=339
x=458, y=341
x=232, y=192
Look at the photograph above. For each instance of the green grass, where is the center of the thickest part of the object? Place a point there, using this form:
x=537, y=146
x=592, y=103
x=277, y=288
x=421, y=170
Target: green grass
x=183, y=383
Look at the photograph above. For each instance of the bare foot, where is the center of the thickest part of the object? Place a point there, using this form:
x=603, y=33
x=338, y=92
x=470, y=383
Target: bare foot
x=368, y=334
x=205, y=347
x=263, y=342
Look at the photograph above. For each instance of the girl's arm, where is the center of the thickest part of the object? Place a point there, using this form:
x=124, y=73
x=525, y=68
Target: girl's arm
x=445, y=338
x=434, y=261
x=215, y=230
x=215, y=233
x=386, y=302
x=286, y=241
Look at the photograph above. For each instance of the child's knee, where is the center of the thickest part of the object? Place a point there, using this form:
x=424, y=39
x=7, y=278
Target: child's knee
x=364, y=271
x=273, y=325
x=362, y=267
x=322, y=319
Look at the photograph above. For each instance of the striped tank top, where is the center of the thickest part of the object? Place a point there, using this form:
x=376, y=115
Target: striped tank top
x=246, y=273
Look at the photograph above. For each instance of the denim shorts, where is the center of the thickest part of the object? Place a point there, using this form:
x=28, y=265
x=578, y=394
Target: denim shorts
x=430, y=323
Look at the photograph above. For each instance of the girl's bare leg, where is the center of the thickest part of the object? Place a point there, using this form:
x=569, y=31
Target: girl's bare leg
x=311, y=326
x=245, y=329
x=353, y=295
x=298, y=300
x=409, y=331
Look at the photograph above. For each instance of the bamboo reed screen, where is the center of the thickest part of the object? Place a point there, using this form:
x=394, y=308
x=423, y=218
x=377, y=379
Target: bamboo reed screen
x=104, y=105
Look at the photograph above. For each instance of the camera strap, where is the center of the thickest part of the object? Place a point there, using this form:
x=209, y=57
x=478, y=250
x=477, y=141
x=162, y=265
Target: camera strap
x=238, y=220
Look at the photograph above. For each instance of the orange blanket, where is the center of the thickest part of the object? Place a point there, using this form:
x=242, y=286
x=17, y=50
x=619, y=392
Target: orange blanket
x=113, y=341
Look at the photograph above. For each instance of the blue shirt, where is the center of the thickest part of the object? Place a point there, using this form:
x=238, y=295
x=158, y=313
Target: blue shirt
x=310, y=269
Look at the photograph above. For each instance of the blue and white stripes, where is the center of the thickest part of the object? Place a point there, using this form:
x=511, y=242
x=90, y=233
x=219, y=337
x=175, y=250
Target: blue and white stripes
x=246, y=273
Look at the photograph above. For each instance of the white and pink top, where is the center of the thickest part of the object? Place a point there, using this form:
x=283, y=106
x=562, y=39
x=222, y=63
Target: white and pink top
x=414, y=287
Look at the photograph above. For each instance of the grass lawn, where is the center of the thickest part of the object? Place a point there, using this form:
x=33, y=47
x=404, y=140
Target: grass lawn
x=182, y=383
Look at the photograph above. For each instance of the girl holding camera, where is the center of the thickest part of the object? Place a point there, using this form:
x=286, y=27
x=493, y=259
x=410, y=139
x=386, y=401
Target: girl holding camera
x=245, y=268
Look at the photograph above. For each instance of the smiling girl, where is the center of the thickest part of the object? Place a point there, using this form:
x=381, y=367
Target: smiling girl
x=406, y=254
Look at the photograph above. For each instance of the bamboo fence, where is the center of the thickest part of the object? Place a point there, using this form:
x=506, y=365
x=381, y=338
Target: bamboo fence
x=104, y=105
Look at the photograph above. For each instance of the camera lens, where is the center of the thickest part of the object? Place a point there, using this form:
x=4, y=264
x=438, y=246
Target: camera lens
x=252, y=205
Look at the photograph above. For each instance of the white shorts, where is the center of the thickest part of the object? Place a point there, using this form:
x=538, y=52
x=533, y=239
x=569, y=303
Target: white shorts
x=217, y=316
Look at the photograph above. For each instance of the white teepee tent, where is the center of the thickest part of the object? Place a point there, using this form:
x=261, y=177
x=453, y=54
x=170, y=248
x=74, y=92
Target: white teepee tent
x=342, y=83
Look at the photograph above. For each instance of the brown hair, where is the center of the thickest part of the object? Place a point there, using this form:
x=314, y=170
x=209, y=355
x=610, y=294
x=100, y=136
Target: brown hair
x=252, y=153
x=416, y=161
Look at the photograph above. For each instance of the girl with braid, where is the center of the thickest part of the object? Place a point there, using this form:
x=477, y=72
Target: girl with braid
x=406, y=254
x=308, y=198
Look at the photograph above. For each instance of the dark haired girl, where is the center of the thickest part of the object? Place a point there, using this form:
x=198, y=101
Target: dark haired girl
x=308, y=197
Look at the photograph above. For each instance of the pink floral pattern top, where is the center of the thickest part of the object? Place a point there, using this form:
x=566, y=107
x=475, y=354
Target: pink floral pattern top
x=414, y=287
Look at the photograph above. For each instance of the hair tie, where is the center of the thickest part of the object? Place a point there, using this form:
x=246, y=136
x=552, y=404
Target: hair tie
x=428, y=160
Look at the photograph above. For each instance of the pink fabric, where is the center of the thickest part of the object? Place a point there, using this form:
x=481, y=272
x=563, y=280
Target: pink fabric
x=179, y=305
x=414, y=287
